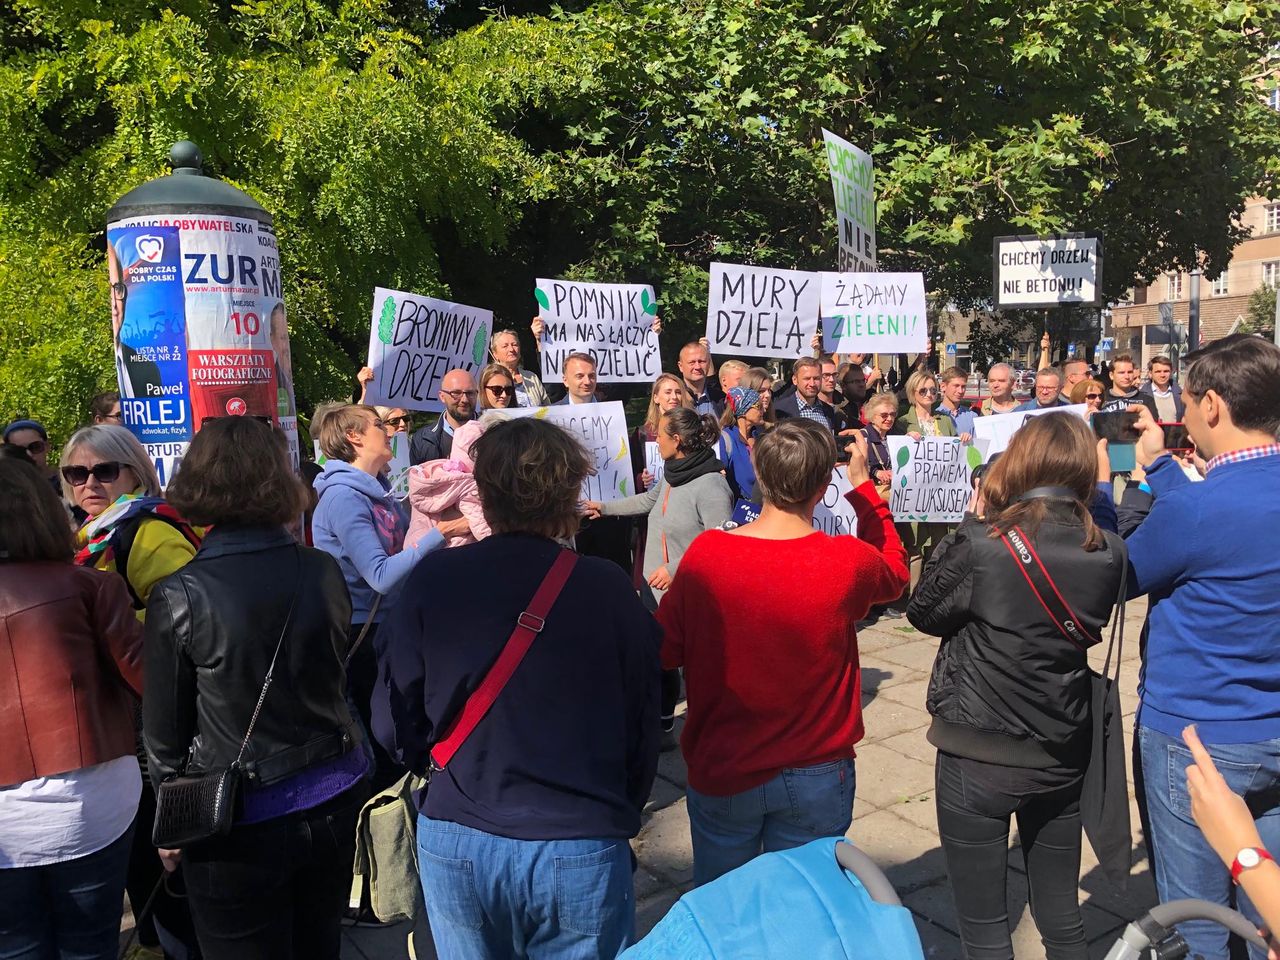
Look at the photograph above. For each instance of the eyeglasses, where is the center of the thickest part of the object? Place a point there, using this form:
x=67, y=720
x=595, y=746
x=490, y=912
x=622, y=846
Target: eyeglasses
x=119, y=290
x=828, y=376
x=260, y=417
x=102, y=472
x=928, y=391
x=35, y=447
x=501, y=391
x=397, y=422
x=456, y=395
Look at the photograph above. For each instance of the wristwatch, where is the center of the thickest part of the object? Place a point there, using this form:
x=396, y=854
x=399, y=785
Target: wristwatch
x=1247, y=859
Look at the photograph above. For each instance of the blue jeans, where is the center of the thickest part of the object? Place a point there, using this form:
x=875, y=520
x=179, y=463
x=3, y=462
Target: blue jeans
x=1185, y=864
x=795, y=807
x=490, y=896
x=68, y=910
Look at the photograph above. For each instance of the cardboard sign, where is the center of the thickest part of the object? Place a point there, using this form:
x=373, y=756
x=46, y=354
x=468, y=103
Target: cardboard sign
x=931, y=478
x=1047, y=271
x=602, y=428
x=998, y=429
x=397, y=471
x=873, y=313
x=853, y=181
x=653, y=462
x=414, y=341
x=761, y=312
x=833, y=514
x=611, y=321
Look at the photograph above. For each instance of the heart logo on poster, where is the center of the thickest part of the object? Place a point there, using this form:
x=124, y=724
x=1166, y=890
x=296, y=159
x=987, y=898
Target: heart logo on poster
x=150, y=248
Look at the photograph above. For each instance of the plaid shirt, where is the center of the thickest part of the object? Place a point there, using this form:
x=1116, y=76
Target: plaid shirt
x=1239, y=456
x=813, y=412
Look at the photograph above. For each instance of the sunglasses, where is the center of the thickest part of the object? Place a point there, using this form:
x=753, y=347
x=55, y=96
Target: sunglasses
x=1093, y=396
x=501, y=391
x=928, y=391
x=102, y=472
x=260, y=417
x=398, y=422
x=35, y=447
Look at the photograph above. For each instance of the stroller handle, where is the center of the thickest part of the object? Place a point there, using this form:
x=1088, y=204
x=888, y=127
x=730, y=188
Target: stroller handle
x=1142, y=933
x=869, y=875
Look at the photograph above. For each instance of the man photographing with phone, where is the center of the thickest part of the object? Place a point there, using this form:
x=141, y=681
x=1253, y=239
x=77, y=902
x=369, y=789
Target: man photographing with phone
x=1206, y=554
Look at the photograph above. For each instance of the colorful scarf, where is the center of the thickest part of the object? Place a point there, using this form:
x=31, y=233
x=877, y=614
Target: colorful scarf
x=98, y=538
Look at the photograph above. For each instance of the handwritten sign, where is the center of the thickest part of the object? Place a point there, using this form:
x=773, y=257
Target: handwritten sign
x=761, y=312
x=602, y=429
x=397, y=473
x=653, y=461
x=853, y=182
x=414, y=341
x=873, y=313
x=931, y=478
x=611, y=321
x=833, y=514
x=998, y=429
x=1047, y=271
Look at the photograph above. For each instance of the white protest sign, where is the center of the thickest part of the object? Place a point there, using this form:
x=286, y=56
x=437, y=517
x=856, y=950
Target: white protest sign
x=853, y=181
x=998, y=429
x=653, y=462
x=1047, y=271
x=414, y=341
x=611, y=321
x=602, y=428
x=834, y=514
x=397, y=471
x=931, y=478
x=761, y=312
x=873, y=313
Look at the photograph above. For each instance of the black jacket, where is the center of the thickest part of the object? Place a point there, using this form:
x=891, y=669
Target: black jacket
x=788, y=407
x=430, y=443
x=1007, y=686
x=211, y=630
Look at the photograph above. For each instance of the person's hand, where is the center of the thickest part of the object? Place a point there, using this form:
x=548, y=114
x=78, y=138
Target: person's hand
x=169, y=859
x=537, y=326
x=660, y=579
x=454, y=528
x=705, y=342
x=975, y=504
x=1044, y=341
x=874, y=377
x=884, y=477
x=657, y=324
x=591, y=509
x=966, y=438
x=1104, y=463
x=365, y=376
x=646, y=478
x=1222, y=816
x=851, y=431
x=857, y=473
x=915, y=435
x=815, y=342
x=1137, y=474
x=1150, y=436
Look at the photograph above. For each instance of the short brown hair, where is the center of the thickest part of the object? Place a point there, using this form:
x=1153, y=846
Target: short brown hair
x=1161, y=359
x=334, y=421
x=1055, y=450
x=793, y=461
x=529, y=474
x=805, y=362
x=1243, y=370
x=953, y=373
x=579, y=356
x=1081, y=388
x=1123, y=358
x=237, y=471
x=33, y=522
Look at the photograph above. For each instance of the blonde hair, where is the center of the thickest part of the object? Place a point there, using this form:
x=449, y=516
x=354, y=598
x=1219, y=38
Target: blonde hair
x=1081, y=388
x=878, y=400
x=118, y=445
x=654, y=416
x=916, y=381
x=334, y=421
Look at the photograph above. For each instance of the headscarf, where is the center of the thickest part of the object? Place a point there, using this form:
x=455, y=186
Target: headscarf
x=742, y=399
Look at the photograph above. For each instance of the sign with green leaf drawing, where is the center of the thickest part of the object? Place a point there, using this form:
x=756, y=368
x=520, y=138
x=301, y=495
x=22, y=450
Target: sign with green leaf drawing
x=602, y=429
x=414, y=341
x=931, y=478
x=611, y=321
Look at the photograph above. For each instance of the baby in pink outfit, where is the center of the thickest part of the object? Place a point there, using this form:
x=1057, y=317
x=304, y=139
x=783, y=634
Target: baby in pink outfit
x=445, y=490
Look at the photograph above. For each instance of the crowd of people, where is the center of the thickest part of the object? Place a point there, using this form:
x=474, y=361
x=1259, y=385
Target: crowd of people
x=305, y=644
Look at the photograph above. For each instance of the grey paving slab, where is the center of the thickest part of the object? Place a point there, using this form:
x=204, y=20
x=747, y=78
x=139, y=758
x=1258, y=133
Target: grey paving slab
x=918, y=654
x=913, y=743
x=886, y=778
x=909, y=856
x=884, y=718
x=912, y=693
x=664, y=847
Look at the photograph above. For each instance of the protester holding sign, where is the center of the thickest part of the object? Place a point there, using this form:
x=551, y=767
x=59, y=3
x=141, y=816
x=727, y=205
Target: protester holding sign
x=1010, y=690
x=667, y=395
x=505, y=348
x=771, y=766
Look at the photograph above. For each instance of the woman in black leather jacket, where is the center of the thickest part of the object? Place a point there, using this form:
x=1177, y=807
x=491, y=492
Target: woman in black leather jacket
x=1010, y=692
x=275, y=887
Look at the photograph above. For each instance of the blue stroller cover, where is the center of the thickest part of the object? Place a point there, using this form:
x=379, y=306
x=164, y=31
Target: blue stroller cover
x=793, y=903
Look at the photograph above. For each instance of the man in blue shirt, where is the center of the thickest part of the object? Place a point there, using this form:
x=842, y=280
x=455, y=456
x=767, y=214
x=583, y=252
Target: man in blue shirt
x=953, y=382
x=1048, y=385
x=1207, y=556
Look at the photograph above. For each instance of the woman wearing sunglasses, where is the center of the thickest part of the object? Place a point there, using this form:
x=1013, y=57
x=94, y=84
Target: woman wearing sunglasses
x=395, y=420
x=1089, y=392
x=497, y=388
x=131, y=531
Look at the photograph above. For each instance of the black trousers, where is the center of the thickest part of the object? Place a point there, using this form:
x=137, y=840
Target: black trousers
x=974, y=807
x=276, y=890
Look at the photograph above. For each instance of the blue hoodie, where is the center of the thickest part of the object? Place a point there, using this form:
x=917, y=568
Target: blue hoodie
x=361, y=525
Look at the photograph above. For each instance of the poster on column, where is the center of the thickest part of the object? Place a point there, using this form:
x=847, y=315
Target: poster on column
x=602, y=429
x=873, y=313
x=998, y=429
x=611, y=321
x=200, y=329
x=414, y=341
x=931, y=478
x=761, y=311
x=854, y=185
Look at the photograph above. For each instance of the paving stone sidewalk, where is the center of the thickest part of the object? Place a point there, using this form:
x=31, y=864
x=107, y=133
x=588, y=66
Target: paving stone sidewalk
x=894, y=818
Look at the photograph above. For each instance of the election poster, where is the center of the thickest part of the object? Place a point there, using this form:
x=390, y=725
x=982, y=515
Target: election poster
x=1047, y=271
x=853, y=182
x=602, y=429
x=761, y=311
x=611, y=321
x=414, y=341
x=931, y=478
x=873, y=313
x=200, y=328
x=998, y=429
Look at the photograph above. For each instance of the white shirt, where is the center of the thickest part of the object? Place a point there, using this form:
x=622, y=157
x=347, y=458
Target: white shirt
x=54, y=819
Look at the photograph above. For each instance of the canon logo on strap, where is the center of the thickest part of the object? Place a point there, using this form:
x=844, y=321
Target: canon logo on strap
x=1023, y=553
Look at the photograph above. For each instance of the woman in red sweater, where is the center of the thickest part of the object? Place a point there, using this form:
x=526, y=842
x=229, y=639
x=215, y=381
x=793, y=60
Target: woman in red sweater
x=772, y=675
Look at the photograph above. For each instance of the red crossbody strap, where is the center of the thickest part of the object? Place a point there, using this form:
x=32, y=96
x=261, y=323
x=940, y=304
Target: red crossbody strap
x=1033, y=571
x=528, y=625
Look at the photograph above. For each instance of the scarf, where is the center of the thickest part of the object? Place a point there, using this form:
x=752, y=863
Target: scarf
x=98, y=539
x=680, y=472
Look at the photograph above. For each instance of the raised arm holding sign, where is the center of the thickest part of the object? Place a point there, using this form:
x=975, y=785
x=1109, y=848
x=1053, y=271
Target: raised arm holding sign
x=761, y=311
x=873, y=313
x=614, y=322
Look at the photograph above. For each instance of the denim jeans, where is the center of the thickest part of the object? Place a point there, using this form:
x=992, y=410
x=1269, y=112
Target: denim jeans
x=795, y=807
x=68, y=910
x=489, y=896
x=1185, y=864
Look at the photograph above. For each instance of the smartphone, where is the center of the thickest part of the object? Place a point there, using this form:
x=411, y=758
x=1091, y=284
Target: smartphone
x=1175, y=437
x=1118, y=427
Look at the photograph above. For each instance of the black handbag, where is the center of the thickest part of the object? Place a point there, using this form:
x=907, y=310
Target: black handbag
x=195, y=807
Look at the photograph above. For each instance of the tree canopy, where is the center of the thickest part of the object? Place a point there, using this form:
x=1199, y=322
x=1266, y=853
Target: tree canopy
x=453, y=150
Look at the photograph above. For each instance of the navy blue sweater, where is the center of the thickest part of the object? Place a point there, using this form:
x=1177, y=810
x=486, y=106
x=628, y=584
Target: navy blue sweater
x=570, y=748
x=1209, y=556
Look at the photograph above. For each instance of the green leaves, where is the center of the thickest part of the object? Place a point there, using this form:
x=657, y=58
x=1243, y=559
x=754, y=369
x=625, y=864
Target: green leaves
x=904, y=456
x=541, y=296
x=647, y=304
x=387, y=321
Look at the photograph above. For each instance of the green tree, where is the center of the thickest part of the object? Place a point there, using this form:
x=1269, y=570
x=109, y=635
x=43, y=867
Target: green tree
x=1260, y=315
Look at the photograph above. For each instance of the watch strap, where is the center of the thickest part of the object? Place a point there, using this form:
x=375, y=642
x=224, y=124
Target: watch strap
x=1238, y=868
